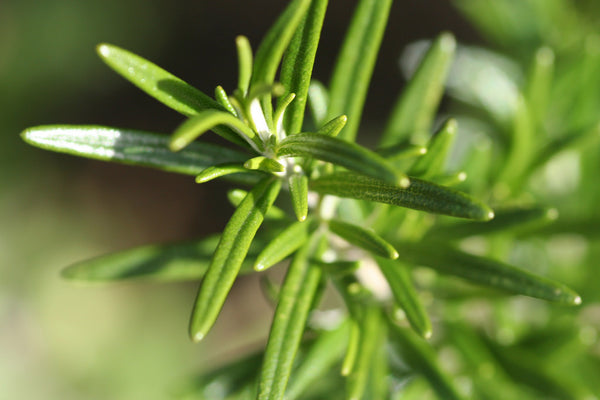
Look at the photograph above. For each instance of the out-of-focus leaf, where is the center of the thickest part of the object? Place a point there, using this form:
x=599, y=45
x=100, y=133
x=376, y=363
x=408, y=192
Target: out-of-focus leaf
x=438, y=149
x=284, y=244
x=363, y=238
x=298, y=183
x=420, y=195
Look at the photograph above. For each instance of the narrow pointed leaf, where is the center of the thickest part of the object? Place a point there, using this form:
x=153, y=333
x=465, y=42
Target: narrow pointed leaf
x=318, y=102
x=284, y=244
x=264, y=164
x=223, y=99
x=406, y=297
x=363, y=238
x=296, y=297
x=236, y=196
x=355, y=63
x=160, y=263
x=415, y=109
x=298, y=184
x=401, y=151
x=540, y=82
x=438, y=150
x=450, y=180
x=231, y=252
x=485, y=271
x=420, y=195
x=217, y=171
x=339, y=152
x=162, y=85
x=245, y=63
x=333, y=127
x=297, y=66
x=420, y=356
x=129, y=147
x=207, y=120
x=510, y=220
x=352, y=349
x=323, y=354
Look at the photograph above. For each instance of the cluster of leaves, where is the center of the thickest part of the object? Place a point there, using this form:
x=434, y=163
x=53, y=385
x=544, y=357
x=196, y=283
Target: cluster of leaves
x=356, y=215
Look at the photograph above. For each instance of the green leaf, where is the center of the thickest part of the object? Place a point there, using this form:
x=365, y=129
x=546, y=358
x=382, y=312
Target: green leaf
x=236, y=196
x=352, y=349
x=296, y=297
x=339, y=152
x=129, y=147
x=539, y=83
x=284, y=244
x=223, y=99
x=363, y=238
x=163, y=86
x=438, y=150
x=355, y=63
x=506, y=221
x=195, y=126
x=323, y=354
x=420, y=195
x=484, y=271
x=398, y=277
x=231, y=252
x=217, y=171
x=298, y=183
x=298, y=61
x=401, y=151
x=420, y=356
x=265, y=164
x=245, y=63
x=415, y=109
x=333, y=127
x=318, y=102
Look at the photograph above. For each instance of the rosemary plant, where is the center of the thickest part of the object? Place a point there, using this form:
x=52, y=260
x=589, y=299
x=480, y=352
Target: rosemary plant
x=384, y=226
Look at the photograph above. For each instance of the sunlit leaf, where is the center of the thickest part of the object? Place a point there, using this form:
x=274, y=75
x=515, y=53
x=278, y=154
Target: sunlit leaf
x=284, y=244
x=363, y=238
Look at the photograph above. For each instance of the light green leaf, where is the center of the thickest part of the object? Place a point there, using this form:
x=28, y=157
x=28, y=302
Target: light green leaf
x=298, y=61
x=420, y=195
x=506, y=221
x=415, y=109
x=401, y=151
x=265, y=164
x=352, y=349
x=539, y=82
x=438, y=150
x=333, y=127
x=363, y=238
x=339, y=152
x=231, y=252
x=223, y=99
x=245, y=64
x=298, y=183
x=217, y=171
x=355, y=63
x=484, y=271
x=195, y=126
x=235, y=197
x=318, y=102
x=129, y=147
x=163, y=86
x=420, y=356
x=323, y=354
x=398, y=277
x=284, y=244
x=296, y=297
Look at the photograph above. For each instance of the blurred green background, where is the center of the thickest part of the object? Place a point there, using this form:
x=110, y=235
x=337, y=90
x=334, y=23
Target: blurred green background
x=64, y=341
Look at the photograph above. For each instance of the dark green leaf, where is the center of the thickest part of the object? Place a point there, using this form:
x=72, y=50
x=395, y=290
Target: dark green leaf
x=297, y=66
x=339, y=152
x=231, y=252
x=296, y=297
x=129, y=147
x=486, y=272
x=363, y=238
x=415, y=109
x=398, y=277
x=420, y=195
x=355, y=63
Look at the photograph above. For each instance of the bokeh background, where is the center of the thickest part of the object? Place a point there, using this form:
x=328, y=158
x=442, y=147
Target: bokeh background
x=64, y=341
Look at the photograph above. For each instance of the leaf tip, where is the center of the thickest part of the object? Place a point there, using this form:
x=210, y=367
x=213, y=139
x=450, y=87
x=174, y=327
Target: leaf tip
x=490, y=215
x=427, y=334
x=394, y=254
x=177, y=144
x=404, y=181
x=259, y=266
x=552, y=214
x=103, y=50
x=197, y=337
x=447, y=42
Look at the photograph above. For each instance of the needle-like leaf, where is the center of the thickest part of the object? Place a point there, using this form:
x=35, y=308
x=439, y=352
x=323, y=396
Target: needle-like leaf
x=195, y=126
x=485, y=271
x=265, y=164
x=284, y=244
x=223, y=99
x=318, y=102
x=363, y=238
x=342, y=153
x=295, y=300
x=420, y=195
x=231, y=252
x=236, y=196
x=402, y=150
x=355, y=63
x=217, y=171
x=414, y=110
x=245, y=63
x=298, y=183
x=406, y=297
x=333, y=127
x=438, y=149
x=129, y=147
x=162, y=85
x=297, y=65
